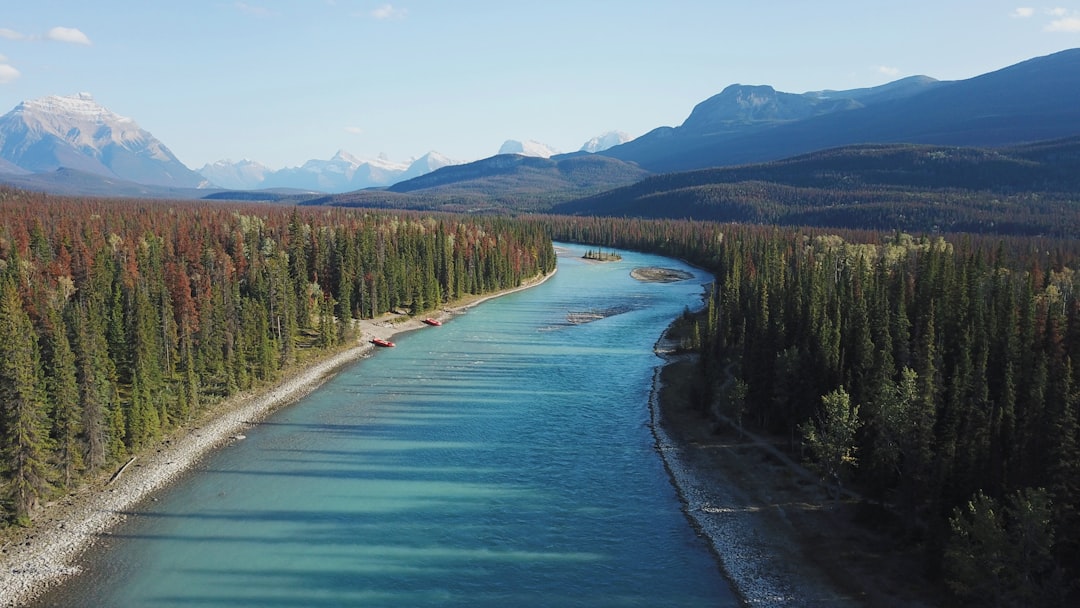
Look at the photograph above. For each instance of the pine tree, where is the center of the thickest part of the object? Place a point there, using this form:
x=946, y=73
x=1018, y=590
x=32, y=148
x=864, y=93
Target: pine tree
x=24, y=443
x=63, y=394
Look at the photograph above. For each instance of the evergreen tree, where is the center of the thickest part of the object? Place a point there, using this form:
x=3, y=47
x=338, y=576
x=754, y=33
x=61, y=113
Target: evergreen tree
x=63, y=395
x=24, y=442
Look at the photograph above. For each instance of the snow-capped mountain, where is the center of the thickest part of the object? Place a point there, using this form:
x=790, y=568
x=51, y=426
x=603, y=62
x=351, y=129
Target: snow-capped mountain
x=342, y=173
x=605, y=140
x=426, y=164
x=242, y=175
x=43, y=135
x=527, y=148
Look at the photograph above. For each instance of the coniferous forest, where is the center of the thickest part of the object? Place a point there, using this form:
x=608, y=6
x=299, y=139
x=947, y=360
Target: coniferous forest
x=123, y=320
x=937, y=375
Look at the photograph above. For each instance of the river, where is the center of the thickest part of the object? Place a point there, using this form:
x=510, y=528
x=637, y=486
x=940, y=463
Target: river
x=502, y=459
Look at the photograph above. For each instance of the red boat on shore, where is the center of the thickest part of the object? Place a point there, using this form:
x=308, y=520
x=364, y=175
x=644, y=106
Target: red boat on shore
x=381, y=342
x=431, y=321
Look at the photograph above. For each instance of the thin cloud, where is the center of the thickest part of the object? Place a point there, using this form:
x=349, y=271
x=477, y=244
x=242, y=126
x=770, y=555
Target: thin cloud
x=888, y=71
x=1065, y=24
x=67, y=34
x=1063, y=20
x=1022, y=12
x=11, y=34
x=8, y=73
x=354, y=130
x=389, y=11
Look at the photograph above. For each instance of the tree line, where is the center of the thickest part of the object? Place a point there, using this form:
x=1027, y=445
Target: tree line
x=940, y=375
x=123, y=320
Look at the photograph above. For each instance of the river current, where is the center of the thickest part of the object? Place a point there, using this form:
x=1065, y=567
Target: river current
x=502, y=459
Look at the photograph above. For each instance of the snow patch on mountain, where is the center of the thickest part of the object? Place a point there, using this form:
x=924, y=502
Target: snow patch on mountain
x=606, y=140
x=242, y=175
x=527, y=148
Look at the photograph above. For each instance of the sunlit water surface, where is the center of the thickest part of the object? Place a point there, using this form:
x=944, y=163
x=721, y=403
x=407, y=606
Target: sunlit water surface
x=503, y=459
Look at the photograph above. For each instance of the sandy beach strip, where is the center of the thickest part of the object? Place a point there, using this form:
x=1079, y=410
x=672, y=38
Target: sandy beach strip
x=33, y=559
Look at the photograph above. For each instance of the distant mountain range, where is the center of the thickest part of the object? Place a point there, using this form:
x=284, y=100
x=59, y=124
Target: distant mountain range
x=73, y=145
x=342, y=173
x=1035, y=100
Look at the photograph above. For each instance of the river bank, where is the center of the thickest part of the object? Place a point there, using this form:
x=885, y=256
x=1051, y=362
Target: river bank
x=34, y=558
x=779, y=538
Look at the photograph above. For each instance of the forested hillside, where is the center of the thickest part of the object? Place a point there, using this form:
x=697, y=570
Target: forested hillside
x=121, y=321
x=1029, y=190
x=507, y=182
x=937, y=374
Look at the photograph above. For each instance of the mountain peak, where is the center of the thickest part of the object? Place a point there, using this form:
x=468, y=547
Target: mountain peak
x=80, y=107
x=527, y=148
x=342, y=155
x=75, y=132
x=602, y=142
x=740, y=105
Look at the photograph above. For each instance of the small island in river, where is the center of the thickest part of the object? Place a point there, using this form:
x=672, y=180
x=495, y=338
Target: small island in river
x=601, y=256
x=653, y=274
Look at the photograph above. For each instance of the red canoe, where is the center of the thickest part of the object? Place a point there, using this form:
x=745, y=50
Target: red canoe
x=431, y=321
x=381, y=342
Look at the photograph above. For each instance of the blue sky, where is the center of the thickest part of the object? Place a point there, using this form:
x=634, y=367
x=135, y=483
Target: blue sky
x=284, y=81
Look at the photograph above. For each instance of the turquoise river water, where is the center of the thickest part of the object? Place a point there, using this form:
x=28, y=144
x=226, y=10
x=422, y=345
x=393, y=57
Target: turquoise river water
x=503, y=459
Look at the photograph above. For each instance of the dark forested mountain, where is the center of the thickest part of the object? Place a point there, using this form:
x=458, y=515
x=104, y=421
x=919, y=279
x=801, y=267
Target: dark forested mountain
x=1023, y=190
x=506, y=181
x=1030, y=101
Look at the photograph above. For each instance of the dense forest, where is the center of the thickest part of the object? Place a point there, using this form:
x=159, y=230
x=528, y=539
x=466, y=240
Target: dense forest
x=938, y=375
x=123, y=320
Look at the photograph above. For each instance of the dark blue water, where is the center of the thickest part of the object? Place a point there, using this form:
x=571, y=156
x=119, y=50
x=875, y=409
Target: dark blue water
x=503, y=459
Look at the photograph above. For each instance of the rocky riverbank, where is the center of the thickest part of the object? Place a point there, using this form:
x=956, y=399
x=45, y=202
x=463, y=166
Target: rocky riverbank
x=777, y=535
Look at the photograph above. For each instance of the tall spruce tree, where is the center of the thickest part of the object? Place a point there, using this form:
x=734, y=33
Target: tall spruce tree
x=25, y=441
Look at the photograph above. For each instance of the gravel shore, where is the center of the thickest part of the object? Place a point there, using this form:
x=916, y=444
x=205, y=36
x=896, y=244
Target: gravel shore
x=756, y=555
x=34, y=559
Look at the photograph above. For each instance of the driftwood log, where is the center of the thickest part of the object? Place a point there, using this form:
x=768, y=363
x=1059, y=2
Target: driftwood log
x=120, y=472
